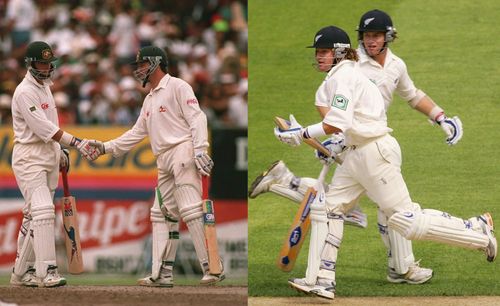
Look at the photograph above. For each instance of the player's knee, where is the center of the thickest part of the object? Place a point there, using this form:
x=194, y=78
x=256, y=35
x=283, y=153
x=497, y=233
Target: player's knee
x=411, y=225
x=192, y=212
x=156, y=215
x=42, y=207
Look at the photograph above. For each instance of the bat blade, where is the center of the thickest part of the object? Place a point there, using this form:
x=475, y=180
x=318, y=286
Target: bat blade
x=313, y=142
x=211, y=237
x=72, y=235
x=297, y=233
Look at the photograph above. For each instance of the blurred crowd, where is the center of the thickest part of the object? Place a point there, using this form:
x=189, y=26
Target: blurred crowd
x=96, y=40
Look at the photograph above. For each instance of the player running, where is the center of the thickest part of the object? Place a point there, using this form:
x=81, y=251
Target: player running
x=371, y=164
x=389, y=73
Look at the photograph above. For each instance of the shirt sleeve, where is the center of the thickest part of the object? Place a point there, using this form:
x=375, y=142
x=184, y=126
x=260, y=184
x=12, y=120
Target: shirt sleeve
x=194, y=116
x=322, y=95
x=35, y=118
x=342, y=105
x=405, y=88
x=130, y=138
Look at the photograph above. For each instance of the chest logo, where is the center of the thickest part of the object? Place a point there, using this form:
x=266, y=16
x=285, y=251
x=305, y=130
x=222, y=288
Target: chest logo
x=340, y=102
x=163, y=109
x=191, y=101
x=45, y=105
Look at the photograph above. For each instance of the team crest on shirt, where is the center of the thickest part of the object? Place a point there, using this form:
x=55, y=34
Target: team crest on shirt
x=45, y=105
x=339, y=101
x=162, y=109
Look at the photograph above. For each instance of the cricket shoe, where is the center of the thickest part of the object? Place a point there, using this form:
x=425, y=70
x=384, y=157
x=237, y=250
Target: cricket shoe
x=356, y=217
x=415, y=275
x=487, y=226
x=275, y=173
x=210, y=279
x=162, y=281
x=27, y=279
x=52, y=279
x=323, y=288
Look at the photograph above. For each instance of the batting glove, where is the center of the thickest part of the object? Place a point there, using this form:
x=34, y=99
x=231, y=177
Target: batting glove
x=203, y=163
x=293, y=136
x=87, y=150
x=64, y=160
x=335, y=145
x=452, y=127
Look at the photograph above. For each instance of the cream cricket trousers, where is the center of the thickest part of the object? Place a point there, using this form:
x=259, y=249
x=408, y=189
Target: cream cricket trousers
x=35, y=165
x=374, y=168
x=176, y=168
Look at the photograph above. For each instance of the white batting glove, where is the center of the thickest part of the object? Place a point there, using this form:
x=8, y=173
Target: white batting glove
x=88, y=149
x=335, y=145
x=203, y=162
x=293, y=136
x=452, y=127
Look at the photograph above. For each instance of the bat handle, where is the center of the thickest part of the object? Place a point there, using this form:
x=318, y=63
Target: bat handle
x=323, y=173
x=64, y=172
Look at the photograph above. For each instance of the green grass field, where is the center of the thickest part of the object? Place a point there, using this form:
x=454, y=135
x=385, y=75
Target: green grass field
x=451, y=49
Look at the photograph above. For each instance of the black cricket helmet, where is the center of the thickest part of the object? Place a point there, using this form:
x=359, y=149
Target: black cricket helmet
x=331, y=37
x=39, y=51
x=377, y=21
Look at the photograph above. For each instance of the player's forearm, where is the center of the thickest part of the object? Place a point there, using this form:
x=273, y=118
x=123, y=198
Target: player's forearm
x=425, y=106
x=199, y=131
x=65, y=138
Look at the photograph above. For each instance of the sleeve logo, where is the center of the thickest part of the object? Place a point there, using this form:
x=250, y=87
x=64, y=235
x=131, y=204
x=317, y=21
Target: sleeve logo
x=339, y=101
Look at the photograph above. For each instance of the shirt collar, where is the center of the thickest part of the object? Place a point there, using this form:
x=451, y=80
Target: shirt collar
x=337, y=66
x=363, y=57
x=31, y=78
x=163, y=83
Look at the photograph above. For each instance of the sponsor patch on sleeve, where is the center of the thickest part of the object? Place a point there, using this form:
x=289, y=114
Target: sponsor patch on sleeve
x=33, y=108
x=339, y=101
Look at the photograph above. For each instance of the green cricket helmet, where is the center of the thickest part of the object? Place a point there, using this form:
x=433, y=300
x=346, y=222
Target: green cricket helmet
x=155, y=57
x=39, y=51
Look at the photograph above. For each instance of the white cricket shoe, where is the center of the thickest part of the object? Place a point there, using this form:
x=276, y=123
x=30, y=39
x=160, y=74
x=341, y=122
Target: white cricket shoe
x=210, y=279
x=356, y=217
x=162, y=281
x=52, y=279
x=487, y=226
x=323, y=288
x=415, y=275
x=276, y=171
x=27, y=279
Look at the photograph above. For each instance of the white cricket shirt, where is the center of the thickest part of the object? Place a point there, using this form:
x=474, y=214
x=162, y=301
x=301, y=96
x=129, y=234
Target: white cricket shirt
x=392, y=77
x=34, y=112
x=356, y=105
x=170, y=115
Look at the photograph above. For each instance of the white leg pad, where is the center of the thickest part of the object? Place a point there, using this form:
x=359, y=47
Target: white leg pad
x=399, y=250
x=42, y=211
x=286, y=192
x=437, y=226
x=160, y=239
x=291, y=191
x=330, y=251
x=173, y=243
x=191, y=212
x=25, y=254
x=319, y=232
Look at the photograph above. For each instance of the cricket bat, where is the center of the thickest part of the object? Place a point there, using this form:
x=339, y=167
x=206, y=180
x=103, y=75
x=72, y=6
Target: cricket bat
x=71, y=229
x=297, y=233
x=210, y=233
x=300, y=226
x=313, y=142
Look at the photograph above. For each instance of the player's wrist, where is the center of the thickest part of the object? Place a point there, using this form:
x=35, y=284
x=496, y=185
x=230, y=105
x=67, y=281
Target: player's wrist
x=314, y=131
x=437, y=114
x=69, y=140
